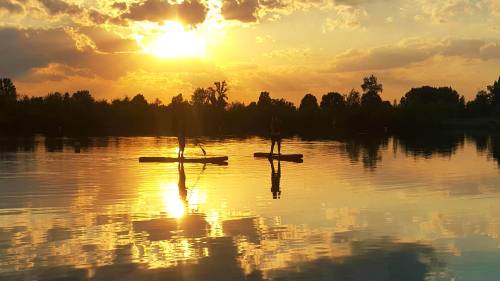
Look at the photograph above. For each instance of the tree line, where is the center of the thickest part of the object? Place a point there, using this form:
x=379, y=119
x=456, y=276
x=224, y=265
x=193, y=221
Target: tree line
x=207, y=112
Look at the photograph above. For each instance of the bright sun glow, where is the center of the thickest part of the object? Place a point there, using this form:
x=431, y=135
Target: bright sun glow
x=175, y=41
x=172, y=201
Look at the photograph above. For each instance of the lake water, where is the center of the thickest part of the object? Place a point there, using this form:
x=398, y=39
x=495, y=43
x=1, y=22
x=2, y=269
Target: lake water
x=365, y=209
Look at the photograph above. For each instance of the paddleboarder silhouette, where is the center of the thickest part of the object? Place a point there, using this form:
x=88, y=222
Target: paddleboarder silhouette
x=275, y=135
x=181, y=138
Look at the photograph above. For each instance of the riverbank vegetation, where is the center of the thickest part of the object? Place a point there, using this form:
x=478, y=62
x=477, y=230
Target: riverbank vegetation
x=207, y=112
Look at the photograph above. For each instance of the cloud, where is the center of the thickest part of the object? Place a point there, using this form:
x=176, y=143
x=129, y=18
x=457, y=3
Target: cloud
x=490, y=51
x=119, y=6
x=107, y=55
x=348, y=11
x=188, y=12
x=347, y=17
x=409, y=52
x=82, y=41
x=449, y=10
x=495, y=7
x=55, y=72
x=290, y=53
x=469, y=48
x=241, y=10
x=56, y=7
x=253, y=10
x=264, y=39
x=357, y=2
x=275, y=4
x=98, y=17
x=23, y=50
x=109, y=42
x=11, y=7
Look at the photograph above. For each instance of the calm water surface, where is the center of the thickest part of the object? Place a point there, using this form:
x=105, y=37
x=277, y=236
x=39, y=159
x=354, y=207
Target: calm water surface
x=383, y=209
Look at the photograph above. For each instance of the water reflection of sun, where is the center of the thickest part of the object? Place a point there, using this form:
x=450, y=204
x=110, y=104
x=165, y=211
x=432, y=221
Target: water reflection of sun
x=174, y=206
x=196, y=197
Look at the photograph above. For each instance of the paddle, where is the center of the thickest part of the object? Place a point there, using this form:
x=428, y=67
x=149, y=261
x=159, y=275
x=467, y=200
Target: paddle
x=196, y=142
x=201, y=147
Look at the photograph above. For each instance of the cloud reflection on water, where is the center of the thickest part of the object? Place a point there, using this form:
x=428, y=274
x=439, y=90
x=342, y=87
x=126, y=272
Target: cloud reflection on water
x=348, y=212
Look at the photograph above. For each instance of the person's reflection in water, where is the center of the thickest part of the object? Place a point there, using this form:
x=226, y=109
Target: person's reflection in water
x=182, y=182
x=275, y=179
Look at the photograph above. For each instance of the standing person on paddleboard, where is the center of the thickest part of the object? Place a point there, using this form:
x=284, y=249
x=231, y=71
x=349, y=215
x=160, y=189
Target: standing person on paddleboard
x=275, y=135
x=181, y=138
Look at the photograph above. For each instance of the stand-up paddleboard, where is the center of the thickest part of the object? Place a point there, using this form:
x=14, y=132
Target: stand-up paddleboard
x=221, y=160
x=283, y=157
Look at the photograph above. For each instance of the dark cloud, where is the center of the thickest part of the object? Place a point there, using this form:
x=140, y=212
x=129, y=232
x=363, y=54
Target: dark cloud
x=472, y=48
x=274, y=4
x=97, y=17
x=120, y=6
x=109, y=42
x=382, y=58
x=107, y=55
x=253, y=10
x=11, y=7
x=55, y=72
x=241, y=10
x=189, y=12
x=248, y=10
x=411, y=52
x=490, y=51
x=356, y=2
x=55, y=7
x=22, y=50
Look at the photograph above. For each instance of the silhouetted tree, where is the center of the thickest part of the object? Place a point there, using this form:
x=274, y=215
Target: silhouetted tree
x=481, y=105
x=201, y=96
x=217, y=95
x=429, y=106
x=241, y=120
x=309, y=103
x=371, y=89
x=333, y=107
x=139, y=100
x=82, y=97
x=7, y=89
x=486, y=103
x=494, y=92
x=177, y=100
x=264, y=99
x=309, y=114
x=332, y=101
x=353, y=99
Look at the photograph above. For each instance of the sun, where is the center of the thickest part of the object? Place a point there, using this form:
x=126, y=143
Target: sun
x=175, y=41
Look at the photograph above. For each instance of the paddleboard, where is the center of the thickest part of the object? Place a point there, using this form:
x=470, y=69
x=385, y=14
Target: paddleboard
x=213, y=160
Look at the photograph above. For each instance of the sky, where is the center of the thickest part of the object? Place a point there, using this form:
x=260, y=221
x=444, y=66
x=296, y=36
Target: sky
x=161, y=48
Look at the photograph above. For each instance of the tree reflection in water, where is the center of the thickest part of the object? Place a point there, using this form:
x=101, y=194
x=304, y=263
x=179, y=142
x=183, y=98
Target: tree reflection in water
x=377, y=260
